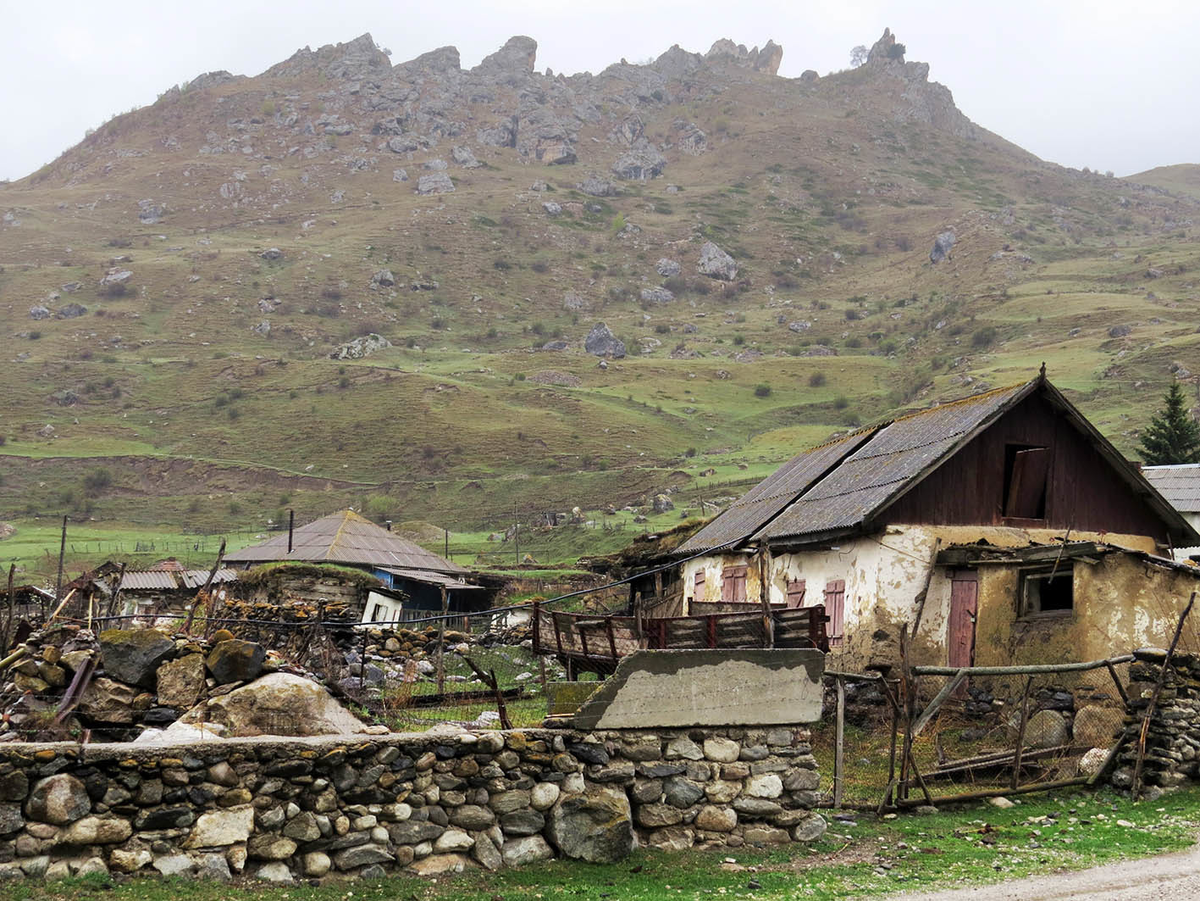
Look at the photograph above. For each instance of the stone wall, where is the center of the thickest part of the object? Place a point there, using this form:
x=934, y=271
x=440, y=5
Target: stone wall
x=1173, y=740
x=282, y=809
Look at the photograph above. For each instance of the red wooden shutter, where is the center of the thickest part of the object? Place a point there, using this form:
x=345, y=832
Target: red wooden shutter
x=795, y=593
x=733, y=584
x=698, y=586
x=835, y=609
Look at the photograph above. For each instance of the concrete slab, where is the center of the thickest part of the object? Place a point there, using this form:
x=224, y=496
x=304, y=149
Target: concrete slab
x=660, y=689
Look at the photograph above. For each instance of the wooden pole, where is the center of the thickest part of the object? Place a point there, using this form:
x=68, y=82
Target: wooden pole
x=441, y=654
x=906, y=753
x=839, y=771
x=212, y=574
x=62, y=551
x=6, y=636
x=1016, y=773
x=1136, y=789
x=887, y=794
x=116, y=594
x=921, y=595
x=764, y=595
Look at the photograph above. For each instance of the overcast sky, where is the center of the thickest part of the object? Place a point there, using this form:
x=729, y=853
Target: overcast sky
x=1101, y=84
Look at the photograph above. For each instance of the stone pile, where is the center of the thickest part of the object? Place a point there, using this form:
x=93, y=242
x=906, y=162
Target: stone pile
x=1173, y=740
x=142, y=678
x=428, y=804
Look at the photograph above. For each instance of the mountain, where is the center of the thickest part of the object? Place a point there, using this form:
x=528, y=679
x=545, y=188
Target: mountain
x=344, y=281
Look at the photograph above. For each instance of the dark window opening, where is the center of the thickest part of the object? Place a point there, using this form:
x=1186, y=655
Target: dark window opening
x=1026, y=472
x=1047, y=592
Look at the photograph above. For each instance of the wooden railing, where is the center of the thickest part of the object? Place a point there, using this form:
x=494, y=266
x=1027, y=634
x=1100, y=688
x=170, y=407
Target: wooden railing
x=591, y=643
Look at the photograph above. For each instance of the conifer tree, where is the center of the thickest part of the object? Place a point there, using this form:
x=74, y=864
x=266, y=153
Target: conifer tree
x=1172, y=436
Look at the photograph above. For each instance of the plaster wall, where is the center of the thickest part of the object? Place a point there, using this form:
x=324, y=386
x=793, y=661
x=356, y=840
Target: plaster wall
x=885, y=572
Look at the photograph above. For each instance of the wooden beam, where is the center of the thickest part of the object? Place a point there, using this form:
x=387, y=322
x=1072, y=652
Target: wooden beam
x=939, y=699
x=1030, y=670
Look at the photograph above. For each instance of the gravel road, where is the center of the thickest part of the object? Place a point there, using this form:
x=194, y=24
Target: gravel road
x=1172, y=877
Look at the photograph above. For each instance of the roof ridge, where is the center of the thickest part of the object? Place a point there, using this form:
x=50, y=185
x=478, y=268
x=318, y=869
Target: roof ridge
x=961, y=400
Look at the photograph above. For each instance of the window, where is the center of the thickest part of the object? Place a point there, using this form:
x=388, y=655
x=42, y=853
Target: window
x=795, y=593
x=835, y=609
x=1025, y=474
x=379, y=614
x=733, y=584
x=1047, y=592
x=698, y=589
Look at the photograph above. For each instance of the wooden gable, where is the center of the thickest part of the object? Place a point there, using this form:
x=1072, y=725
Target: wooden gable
x=1031, y=468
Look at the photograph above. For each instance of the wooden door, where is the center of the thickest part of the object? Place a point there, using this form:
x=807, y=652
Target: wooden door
x=964, y=593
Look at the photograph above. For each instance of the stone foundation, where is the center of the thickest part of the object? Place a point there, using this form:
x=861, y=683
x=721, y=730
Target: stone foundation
x=284, y=809
x=1173, y=740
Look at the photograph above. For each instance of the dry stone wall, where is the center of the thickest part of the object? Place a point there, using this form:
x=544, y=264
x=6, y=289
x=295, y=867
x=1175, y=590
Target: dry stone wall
x=1173, y=739
x=285, y=809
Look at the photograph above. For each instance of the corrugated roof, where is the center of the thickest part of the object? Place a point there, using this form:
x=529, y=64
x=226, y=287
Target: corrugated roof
x=348, y=538
x=1179, y=484
x=882, y=467
x=430, y=578
x=172, y=580
x=764, y=501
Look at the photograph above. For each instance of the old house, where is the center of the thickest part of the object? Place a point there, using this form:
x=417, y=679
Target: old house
x=410, y=579
x=1180, y=485
x=164, y=587
x=1001, y=528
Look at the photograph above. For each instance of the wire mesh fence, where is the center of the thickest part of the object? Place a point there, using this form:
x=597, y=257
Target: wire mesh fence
x=974, y=732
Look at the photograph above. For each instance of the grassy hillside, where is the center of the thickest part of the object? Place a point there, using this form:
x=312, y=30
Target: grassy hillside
x=173, y=410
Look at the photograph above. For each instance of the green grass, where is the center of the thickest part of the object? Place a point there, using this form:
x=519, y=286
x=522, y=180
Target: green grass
x=951, y=849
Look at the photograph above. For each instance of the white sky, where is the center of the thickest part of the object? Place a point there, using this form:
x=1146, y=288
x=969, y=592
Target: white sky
x=1099, y=84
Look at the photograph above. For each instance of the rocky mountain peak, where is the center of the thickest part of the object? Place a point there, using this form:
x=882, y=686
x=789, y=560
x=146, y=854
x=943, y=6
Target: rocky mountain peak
x=516, y=57
x=886, y=50
x=353, y=59
x=765, y=60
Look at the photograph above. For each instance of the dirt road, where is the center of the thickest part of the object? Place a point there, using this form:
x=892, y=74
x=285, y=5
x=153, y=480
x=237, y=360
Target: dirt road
x=1173, y=877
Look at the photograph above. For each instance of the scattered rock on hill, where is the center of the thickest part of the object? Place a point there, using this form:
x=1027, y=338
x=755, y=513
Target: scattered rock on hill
x=667, y=268
x=271, y=254
x=574, y=301
x=360, y=347
x=435, y=165
x=115, y=276
x=464, y=157
x=71, y=311
x=552, y=208
x=601, y=342
x=662, y=503
x=150, y=213
x=641, y=162
x=399, y=175
x=1120, y=331
x=799, y=325
x=435, y=183
x=7, y=530
x=383, y=278
x=942, y=245
x=716, y=263
x=39, y=312
x=597, y=187
x=657, y=295
x=263, y=328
